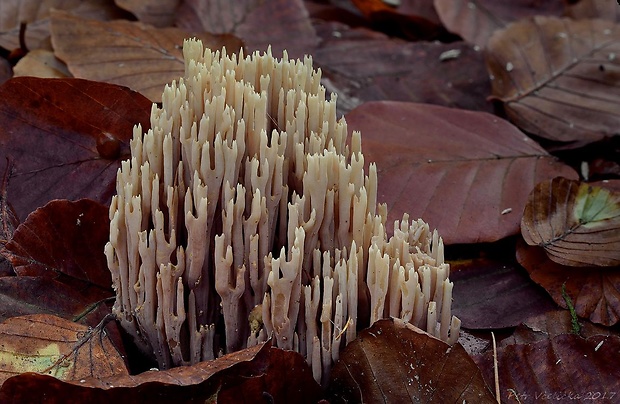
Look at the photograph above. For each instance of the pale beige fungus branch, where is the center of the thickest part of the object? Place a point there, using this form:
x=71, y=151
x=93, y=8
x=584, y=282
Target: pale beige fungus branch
x=243, y=213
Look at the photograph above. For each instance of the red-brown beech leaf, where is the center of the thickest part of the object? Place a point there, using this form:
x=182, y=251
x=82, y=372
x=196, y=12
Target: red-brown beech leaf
x=558, y=77
x=50, y=129
x=160, y=13
x=563, y=369
x=466, y=173
x=54, y=346
x=476, y=20
x=22, y=295
x=283, y=24
x=490, y=294
x=362, y=65
x=594, y=292
x=395, y=362
x=605, y=9
x=64, y=240
x=127, y=53
x=550, y=324
x=35, y=13
x=413, y=19
x=253, y=375
x=578, y=224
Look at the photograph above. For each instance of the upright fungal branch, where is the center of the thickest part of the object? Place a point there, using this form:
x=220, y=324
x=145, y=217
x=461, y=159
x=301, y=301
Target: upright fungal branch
x=243, y=205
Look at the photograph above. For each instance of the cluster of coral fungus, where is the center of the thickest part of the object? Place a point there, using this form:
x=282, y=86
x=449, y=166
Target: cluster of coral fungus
x=243, y=213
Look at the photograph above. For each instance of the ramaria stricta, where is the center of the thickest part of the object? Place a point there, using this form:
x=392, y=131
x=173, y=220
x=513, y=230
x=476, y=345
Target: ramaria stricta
x=244, y=213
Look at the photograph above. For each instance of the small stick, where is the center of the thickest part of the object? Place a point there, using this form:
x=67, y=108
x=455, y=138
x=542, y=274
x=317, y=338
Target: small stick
x=495, y=369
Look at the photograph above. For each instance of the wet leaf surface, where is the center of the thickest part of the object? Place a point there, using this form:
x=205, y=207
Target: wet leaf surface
x=578, y=224
x=50, y=130
x=594, y=292
x=393, y=361
x=554, y=76
x=466, y=173
x=54, y=346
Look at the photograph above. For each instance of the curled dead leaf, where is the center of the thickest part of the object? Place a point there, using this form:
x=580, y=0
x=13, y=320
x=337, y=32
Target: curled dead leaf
x=57, y=347
x=252, y=375
x=593, y=291
x=577, y=224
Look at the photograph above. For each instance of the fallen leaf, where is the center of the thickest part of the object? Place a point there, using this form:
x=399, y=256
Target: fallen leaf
x=22, y=295
x=476, y=20
x=6, y=71
x=605, y=9
x=466, y=173
x=593, y=291
x=41, y=63
x=36, y=14
x=253, y=22
x=550, y=324
x=126, y=53
x=566, y=368
x=393, y=361
x=555, y=77
x=54, y=346
x=412, y=19
x=252, y=375
x=159, y=13
x=362, y=66
x=50, y=129
x=577, y=224
x=64, y=240
x=490, y=294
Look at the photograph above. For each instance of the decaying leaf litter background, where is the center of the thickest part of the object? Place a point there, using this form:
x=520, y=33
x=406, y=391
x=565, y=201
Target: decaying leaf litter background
x=433, y=86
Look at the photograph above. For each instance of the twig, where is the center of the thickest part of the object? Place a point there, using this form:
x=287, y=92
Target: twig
x=495, y=369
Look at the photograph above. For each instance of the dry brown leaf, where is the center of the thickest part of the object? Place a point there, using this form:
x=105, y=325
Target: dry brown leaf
x=6, y=72
x=492, y=294
x=594, y=292
x=51, y=345
x=283, y=24
x=476, y=20
x=36, y=14
x=127, y=53
x=605, y=9
x=361, y=65
x=41, y=63
x=395, y=362
x=551, y=324
x=253, y=375
x=562, y=369
x=576, y=223
x=558, y=77
x=466, y=173
x=159, y=13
